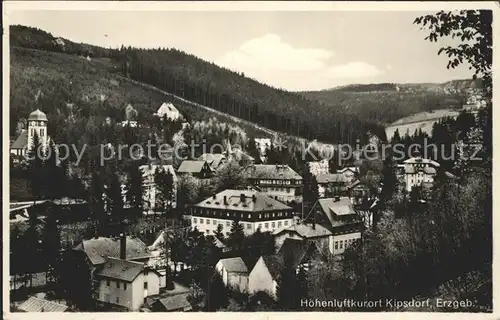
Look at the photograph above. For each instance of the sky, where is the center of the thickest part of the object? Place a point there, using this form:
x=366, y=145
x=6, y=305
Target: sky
x=293, y=50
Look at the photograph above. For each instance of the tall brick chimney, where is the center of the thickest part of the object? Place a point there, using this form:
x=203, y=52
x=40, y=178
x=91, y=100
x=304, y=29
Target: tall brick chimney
x=123, y=246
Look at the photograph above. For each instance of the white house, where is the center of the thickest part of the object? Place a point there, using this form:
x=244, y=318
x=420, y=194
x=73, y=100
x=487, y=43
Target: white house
x=265, y=275
x=418, y=172
x=253, y=209
x=319, y=167
x=234, y=273
x=126, y=283
x=169, y=111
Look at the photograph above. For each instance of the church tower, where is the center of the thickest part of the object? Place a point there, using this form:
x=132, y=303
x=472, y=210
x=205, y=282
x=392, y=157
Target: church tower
x=37, y=123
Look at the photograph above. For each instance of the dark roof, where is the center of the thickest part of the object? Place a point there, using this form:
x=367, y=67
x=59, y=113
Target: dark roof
x=295, y=250
x=218, y=243
x=97, y=250
x=331, y=177
x=21, y=141
x=191, y=166
x=213, y=159
x=234, y=265
x=177, y=302
x=271, y=171
x=233, y=197
x=34, y=304
x=274, y=264
x=420, y=160
x=121, y=269
x=306, y=231
x=333, y=209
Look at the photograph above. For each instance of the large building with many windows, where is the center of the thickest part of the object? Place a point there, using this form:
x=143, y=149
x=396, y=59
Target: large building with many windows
x=277, y=181
x=418, y=171
x=251, y=208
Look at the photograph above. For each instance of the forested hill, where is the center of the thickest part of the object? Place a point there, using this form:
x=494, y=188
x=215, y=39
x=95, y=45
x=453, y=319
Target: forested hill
x=205, y=83
x=388, y=102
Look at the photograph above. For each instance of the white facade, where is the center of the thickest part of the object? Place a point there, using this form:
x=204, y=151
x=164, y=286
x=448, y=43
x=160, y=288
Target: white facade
x=418, y=171
x=339, y=243
x=209, y=225
x=282, y=193
x=235, y=280
x=260, y=279
x=169, y=111
x=130, y=295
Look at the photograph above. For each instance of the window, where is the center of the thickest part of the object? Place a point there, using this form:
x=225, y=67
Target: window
x=286, y=223
x=228, y=224
x=341, y=244
x=195, y=220
x=208, y=231
x=259, y=226
x=214, y=221
x=336, y=245
x=124, y=286
x=145, y=285
x=266, y=225
x=249, y=216
x=274, y=225
x=249, y=226
x=117, y=299
x=279, y=224
x=118, y=284
x=107, y=282
x=201, y=221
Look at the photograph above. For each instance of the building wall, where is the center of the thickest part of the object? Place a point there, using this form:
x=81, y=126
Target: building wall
x=416, y=179
x=109, y=294
x=138, y=292
x=153, y=280
x=319, y=167
x=281, y=193
x=279, y=239
x=40, y=127
x=248, y=227
x=338, y=242
x=260, y=280
x=238, y=281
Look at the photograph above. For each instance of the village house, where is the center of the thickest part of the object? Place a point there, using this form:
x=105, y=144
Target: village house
x=175, y=303
x=198, y=168
x=265, y=275
x=277, y=181
x=358, y=192
x=126, y=283
x=169, y=111
x=215, y=160
x=234, y=273
x=417, y=171
x=298, y=253
x=130, y=117
x=307, y=232
x=319, y=167
x=237, y=155
x=37, y=125
x=351, y=173
x=151, y=189
x=332, y=184
x=339, y=217
x=253, y=209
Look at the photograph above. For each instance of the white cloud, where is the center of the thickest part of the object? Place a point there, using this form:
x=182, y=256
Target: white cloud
x=269, y=52
x=353, y=70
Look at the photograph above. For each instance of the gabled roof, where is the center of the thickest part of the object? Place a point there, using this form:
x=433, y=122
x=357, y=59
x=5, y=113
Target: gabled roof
x=306, y=231
x=271, y=171
x=121, y=269
x=352, y=169
x=34, y=304
x=191, y=166
x=274, y=264
x=169, y=110
x=97, y=250
x=334, y=210
x=324, y=178
x=253, y=201
x=21, y=141
x=213, y=159
x=234, y=265
x=219, y=244
x=295, y=250
x=176, y=302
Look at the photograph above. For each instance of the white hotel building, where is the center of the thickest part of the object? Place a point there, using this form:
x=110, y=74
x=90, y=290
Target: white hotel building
x=251, y=208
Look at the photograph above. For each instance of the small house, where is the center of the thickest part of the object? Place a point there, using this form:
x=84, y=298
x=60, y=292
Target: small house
x=234, y=273
x=198, y=168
